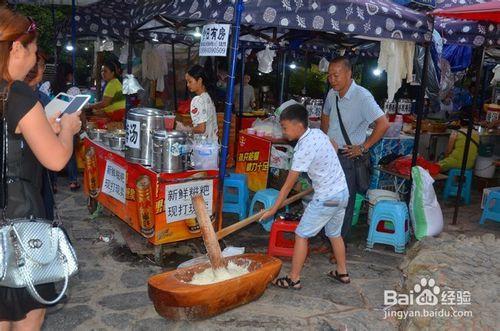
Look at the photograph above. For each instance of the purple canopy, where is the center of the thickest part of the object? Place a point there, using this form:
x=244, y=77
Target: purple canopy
x=466, y=32
x=372, y=18
x=110, y=18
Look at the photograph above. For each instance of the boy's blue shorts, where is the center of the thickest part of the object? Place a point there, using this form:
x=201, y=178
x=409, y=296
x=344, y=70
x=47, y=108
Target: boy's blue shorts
x=317, y=216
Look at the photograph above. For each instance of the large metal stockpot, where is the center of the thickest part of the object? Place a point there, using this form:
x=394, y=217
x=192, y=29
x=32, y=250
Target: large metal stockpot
x=139, y=127
x=169, y=151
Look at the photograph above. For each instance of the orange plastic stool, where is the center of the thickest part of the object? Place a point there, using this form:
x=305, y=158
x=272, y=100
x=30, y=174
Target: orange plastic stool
x=278, y=244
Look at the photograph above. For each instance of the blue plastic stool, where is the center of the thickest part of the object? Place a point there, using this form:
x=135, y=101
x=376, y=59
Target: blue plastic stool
x=451, y=186
x=236, y=202
x=267, y=197
x=390, y=211
x=491, y=208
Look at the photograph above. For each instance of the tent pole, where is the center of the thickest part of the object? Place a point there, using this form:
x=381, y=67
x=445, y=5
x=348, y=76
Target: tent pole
x=420, y=107
x=468, y=138
x=129, y=68
x=186, y=93
x=174, y=77
x=241, y=99
x=306, y=70
x=228, y=108
x=73, y=38
x=283, y=74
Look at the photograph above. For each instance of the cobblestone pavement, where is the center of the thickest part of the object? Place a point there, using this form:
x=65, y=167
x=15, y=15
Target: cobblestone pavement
x=110, y=291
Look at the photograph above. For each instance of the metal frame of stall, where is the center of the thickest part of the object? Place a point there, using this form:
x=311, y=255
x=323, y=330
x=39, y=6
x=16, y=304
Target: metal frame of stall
x=230, y=91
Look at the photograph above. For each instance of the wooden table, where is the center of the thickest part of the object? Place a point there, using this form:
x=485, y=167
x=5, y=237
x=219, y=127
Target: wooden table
x=399, y=179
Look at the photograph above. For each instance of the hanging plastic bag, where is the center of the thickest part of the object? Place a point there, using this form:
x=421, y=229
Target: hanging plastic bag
x=131, y=85
x=323, y=65
x=265, y=58
x=281, y=156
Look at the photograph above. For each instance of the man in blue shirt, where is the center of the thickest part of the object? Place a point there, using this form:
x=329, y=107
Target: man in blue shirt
x=357, y=109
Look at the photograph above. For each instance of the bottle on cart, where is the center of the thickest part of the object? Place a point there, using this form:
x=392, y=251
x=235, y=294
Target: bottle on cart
x=144, y=200
x=91, y=172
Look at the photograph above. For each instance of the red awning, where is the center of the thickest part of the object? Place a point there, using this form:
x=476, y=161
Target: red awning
x=488, y=11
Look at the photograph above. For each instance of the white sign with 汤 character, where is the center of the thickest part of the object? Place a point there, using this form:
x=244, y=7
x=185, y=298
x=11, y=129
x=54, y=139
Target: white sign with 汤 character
x=114, y=183
x=178, y=203
x=133, y=134
x=214, y=40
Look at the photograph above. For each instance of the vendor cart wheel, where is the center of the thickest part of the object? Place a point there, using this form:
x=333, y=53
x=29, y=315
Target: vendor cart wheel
x=91, y=205
x=158, y=251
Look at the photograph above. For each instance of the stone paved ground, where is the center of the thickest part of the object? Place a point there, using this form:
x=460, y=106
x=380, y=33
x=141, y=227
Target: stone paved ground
x=110, y=291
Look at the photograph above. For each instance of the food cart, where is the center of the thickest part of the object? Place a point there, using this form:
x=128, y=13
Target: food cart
x=156, y=205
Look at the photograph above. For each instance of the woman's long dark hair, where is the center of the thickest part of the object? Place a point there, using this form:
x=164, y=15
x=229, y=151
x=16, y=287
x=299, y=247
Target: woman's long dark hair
x=60, y=83
x=115, y=67
x=198, y=72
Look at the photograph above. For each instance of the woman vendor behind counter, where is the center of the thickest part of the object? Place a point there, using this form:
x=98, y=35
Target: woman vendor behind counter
x=202, y=107
x=113, y=101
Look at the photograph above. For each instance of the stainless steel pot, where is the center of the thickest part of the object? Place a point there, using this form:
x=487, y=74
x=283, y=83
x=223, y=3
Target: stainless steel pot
x=169, y=151
x=140, y=125
x=117, y=142
x=97, y=134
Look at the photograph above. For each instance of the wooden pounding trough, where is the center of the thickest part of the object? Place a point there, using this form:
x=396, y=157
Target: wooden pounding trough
x=174, y=298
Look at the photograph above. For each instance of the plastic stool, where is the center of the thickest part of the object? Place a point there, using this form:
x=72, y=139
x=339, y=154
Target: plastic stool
x=267, y=197
x=451, y=186
x=278, y=244
x=236, y=202
x=491, y=208
x=395, y=212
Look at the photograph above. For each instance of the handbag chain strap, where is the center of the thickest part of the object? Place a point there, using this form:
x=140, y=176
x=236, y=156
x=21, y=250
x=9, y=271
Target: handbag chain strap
x=3, y=98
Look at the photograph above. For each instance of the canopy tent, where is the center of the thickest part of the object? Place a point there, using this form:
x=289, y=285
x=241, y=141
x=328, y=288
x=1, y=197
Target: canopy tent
x=488, y=11
x=460, y=32
x=467, y=32
x=53, y=2
x=104, y=19
x=379, y=19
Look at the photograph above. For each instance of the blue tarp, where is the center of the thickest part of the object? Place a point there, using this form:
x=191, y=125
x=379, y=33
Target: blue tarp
x=459, y=57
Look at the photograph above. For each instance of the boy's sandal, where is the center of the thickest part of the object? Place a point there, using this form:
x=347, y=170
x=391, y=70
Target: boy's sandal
x=340, y=277
x=286, y=282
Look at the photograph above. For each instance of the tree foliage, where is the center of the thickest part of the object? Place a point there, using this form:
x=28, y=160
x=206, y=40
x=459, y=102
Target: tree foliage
x=42, y=15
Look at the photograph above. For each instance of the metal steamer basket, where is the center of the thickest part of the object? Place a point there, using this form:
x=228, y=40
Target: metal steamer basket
x=140, y=126
x=169, y=151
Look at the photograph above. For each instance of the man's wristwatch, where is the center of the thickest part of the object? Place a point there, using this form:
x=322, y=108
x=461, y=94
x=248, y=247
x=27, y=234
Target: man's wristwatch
x=362, y=148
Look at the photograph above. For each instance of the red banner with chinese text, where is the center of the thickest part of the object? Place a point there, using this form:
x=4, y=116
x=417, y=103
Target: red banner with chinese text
x=253, y=160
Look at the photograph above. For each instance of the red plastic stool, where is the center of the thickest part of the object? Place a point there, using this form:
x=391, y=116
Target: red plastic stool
x=278, y=244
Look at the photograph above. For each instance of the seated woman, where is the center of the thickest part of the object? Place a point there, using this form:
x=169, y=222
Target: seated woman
x=456, y=147
x=113, y=100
